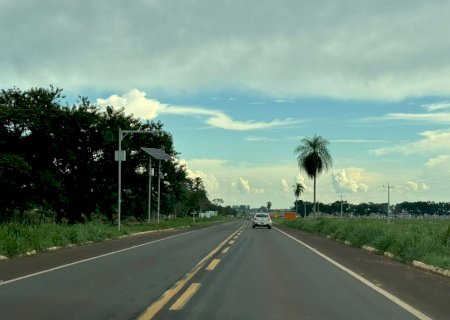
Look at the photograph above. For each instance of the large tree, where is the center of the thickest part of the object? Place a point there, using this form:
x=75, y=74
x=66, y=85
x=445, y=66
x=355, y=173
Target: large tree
x=313, y=158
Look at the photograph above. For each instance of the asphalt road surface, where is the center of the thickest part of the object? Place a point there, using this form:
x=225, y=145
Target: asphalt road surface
x=229, y=271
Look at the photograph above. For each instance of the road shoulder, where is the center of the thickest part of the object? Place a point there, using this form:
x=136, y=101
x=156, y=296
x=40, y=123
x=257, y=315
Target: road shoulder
x=423, y=289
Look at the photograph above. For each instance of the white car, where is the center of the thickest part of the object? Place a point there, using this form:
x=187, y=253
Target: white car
x=262, y=220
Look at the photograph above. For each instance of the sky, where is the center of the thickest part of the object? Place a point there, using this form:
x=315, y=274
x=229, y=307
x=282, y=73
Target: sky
x=239, y=84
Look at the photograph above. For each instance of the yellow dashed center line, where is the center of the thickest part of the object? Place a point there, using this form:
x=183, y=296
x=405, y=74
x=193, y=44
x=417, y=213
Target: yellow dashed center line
x=213, y=264
x=157, y=305
x=231, y=242
x=225, y=250
x=185, y=297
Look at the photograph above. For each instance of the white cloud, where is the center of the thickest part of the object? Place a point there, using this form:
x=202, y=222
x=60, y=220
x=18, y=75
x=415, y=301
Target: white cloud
x=134, y=102
x=433, y=141
x=285, y=186
x=301, y=179
x=414, y=186
x=137, y=104
x=437, y=106
x=439, y=161
x=210, y=182
x=429, y=117
x=350, y=179
x=244, y=186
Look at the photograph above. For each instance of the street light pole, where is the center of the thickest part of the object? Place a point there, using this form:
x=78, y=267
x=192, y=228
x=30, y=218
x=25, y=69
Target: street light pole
x=122, y=135
x=159, y=186
x=149, y=188
x=119, y=184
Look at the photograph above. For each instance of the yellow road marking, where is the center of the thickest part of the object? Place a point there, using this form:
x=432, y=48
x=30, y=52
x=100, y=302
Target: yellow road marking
x=156, y=306
x=185, y=297
x=231, y=242
x=236, y=237
x=213, y=264
x=225, y=250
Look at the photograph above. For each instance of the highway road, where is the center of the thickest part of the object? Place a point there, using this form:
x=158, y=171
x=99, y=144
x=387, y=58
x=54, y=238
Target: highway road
x=229, y=271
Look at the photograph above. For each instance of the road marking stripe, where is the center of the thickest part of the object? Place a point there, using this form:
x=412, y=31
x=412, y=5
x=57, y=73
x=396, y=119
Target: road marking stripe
x=213, y=264
x=236, y=237
x=225, y=250
x=386, y=294
x=231, y=242
x=185, y=297
x=94, y=258
x=156, y=306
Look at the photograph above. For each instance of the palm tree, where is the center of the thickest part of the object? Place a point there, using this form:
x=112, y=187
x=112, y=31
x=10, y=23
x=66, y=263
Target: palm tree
x=313, y=157
x=298, y=189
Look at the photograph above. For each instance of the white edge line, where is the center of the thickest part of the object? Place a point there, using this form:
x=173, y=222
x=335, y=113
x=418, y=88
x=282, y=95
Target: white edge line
x=386, y=294
x=93, y=258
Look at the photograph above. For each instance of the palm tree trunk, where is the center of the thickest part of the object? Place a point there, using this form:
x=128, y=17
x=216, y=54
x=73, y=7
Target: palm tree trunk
x=314, y=205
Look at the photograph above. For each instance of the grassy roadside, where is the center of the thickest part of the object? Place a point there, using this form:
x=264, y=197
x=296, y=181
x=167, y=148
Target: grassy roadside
x=17, y=239
x=422, y=240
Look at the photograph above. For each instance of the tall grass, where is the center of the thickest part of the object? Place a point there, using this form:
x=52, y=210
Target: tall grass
x=16, y=238
x=423, y=240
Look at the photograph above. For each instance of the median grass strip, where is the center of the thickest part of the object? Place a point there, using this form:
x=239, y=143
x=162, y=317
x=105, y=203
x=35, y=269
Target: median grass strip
x=408, y=240
x=18, y=239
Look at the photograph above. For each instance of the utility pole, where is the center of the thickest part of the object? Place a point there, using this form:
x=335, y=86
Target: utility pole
x=388, y=203
x=341, y=207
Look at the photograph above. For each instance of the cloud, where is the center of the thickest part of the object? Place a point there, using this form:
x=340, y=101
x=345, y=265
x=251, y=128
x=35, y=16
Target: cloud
x=350, y=179
x=414, y=186
x=437, y=106
x=429, y=117
x=221, y=120
x=210, y=182
x=432, y=141
x=357, y=141
x=354, y=50
x=439, y=161
x=254, y=138
x=244, y=187
x=135, y=102
x=285, y=186
x=301, y=179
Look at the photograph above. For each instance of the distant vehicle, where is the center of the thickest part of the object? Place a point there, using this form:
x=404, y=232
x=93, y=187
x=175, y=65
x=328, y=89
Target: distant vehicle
x=262, y=220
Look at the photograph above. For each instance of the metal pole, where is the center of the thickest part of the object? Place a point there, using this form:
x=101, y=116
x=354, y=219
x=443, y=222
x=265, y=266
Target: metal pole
x=149, y=188
x=341, y=206
x=119, y=184
x=122, y=134
x=388, y=211
x=159, y=186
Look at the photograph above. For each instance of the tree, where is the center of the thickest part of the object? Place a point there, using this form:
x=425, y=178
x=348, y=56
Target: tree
x=269, y=205
x=61, y=159
x=313, y=158
x=298, y=189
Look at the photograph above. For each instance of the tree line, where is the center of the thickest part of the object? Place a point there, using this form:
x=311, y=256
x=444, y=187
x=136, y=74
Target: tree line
x=58, y=159
x=418, y=208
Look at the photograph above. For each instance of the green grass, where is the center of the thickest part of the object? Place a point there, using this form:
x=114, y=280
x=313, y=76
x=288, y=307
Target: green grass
x=17, y=239
x=423, y=240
